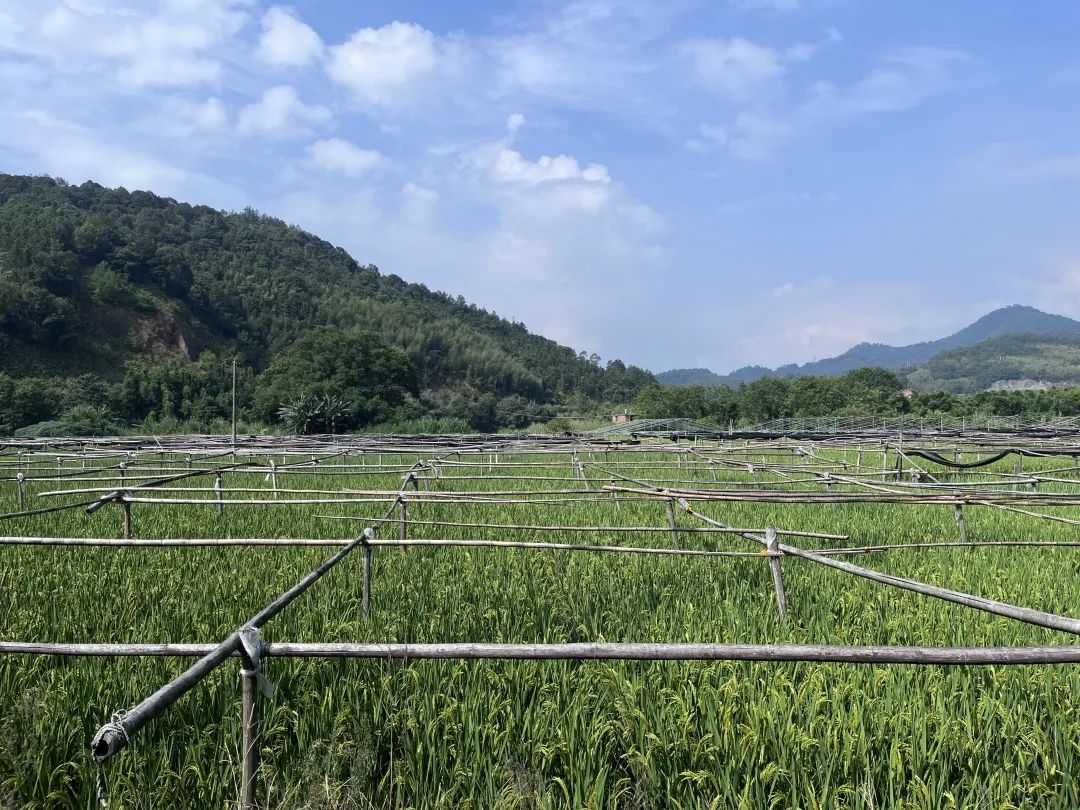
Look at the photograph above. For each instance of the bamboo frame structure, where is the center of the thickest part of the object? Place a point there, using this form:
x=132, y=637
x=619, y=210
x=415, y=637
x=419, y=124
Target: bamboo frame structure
x=437, y=472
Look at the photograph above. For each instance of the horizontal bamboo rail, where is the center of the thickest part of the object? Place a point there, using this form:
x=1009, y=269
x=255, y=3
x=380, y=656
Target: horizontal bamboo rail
x=1050, y=621
x=607, y=529
x=298, y=542
x=588, y=651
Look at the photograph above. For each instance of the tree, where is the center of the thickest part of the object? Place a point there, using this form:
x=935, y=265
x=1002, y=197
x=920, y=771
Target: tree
x=353, y=373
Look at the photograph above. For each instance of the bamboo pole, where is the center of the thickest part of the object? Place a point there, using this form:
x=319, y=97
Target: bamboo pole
x=718, y=529
x=961, y=523
x=774, y=564
x=115, y=735
x=126, y=505
x=671, y=522
x=590, y=651
x=369, y=562
x=250, y=655
x=227, y=542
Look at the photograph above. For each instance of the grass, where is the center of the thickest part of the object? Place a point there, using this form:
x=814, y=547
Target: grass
x=561, y=735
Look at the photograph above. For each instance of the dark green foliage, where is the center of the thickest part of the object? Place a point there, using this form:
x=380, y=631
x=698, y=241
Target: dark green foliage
x=133, y=288
x=863, y=391
x=352, y=378
x=1054, y=360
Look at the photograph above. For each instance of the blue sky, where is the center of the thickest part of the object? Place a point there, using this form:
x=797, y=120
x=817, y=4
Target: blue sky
x=676, y=183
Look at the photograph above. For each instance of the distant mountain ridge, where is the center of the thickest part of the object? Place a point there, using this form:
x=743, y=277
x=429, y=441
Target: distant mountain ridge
x=1012, y=320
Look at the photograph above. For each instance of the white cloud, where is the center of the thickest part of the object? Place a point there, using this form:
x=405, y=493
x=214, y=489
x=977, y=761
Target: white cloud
x=167, y=44
x=802, y=51
x=593, y=54
x=183, y=117
x=709, y=137
x=755, y=134
x=1019, y=162
x=732, y=67
x=751, y=135
x=791, y=289
x=177, y=46
x=815, y=320
x=43, y=143
x=1060, y=290
x=10, y=30
x=505, y=165
x=550, y=240
x=279, y=113
x=395, y=65
x=514, y=122
x=901, y=79
x=336, y=155
x=418, y=202
x=286, y=41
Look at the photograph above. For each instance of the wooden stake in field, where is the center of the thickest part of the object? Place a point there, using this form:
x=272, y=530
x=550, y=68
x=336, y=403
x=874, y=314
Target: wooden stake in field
x=961, y=524
x=253, y=681
x=772, y=548
x=671, y=522
x=369, y=562
x=126, y=504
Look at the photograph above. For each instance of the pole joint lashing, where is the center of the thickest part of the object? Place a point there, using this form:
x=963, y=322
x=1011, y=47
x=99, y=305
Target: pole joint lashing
x=251, y=655
x=102, y=501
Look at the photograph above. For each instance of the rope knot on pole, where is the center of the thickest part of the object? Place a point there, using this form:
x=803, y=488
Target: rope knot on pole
x=109, y=739
x=251, y=654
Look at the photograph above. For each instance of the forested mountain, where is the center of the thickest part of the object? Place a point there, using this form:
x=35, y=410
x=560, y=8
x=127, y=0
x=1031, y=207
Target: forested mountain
x=131, y=303
x=1012, y=320
x=1010, y=361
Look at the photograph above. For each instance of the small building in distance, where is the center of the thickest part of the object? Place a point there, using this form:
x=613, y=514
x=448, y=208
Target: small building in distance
x=625, y=416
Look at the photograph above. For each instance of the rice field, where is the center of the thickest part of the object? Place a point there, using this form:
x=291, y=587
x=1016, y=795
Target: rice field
x=390, y=733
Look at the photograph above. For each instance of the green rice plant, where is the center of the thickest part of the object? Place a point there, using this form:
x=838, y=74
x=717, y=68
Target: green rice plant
x=474, y=734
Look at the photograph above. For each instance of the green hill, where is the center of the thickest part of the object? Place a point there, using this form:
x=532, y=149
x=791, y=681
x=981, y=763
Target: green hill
x=137, y=291
x=1009, y=361
x=1011, y=320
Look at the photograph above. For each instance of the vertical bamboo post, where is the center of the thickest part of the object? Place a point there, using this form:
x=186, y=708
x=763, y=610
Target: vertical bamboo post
x=773, y=549
x=858, y=459
x=252, y=680
x=126, y=504
x=369, y=562
x=615, y=495
x=1018, y=469
x=20, y=482
x=581, y=474
x=234, y=408
x=273, y=478
x=248, y=741
x=961, y=524
x=217, y=493
x=403, y=518
x=671, y=521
